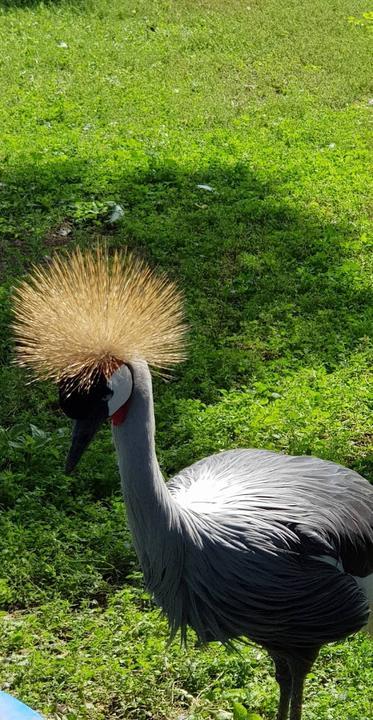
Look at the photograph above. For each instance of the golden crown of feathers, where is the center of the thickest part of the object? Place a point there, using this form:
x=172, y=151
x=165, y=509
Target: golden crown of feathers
x=88, y=313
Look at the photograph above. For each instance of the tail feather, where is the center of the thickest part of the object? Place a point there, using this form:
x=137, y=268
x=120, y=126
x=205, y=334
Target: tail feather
x=366, y=584
x=369, y=626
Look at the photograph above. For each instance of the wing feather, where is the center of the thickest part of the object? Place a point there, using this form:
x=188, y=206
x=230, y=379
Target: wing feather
x=256, y=528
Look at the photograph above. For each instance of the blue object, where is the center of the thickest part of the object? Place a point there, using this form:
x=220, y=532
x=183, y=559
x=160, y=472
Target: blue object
x=12, y=709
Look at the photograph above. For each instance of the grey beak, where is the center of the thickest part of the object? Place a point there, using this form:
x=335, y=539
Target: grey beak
x=83, y=432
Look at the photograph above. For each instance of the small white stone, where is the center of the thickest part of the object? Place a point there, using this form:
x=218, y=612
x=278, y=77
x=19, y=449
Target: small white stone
x=206, y=187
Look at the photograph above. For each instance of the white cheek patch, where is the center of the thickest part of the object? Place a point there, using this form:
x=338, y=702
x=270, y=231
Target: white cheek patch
x=121, y=384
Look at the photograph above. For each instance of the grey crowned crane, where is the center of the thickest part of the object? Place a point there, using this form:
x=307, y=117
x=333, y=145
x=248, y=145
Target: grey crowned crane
x=244, y=543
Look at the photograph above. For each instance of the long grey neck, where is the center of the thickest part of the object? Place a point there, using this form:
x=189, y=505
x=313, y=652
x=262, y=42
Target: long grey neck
x=152, y=513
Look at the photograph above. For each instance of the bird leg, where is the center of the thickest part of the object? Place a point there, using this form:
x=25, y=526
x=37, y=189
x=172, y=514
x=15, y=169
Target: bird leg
x=298, y=678
x=299, y=667
x=283, y=677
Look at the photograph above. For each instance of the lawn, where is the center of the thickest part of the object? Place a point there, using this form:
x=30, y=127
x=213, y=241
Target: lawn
x=234, y=139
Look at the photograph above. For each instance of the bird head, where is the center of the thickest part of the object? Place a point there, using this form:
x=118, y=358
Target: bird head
x=106, y=398
x=82, y=319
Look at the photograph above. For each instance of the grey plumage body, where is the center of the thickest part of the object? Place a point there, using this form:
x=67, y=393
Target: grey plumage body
x=250, y=543
x=258, y=524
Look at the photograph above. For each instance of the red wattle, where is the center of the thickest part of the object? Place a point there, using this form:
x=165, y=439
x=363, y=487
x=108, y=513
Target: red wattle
x=120, y=415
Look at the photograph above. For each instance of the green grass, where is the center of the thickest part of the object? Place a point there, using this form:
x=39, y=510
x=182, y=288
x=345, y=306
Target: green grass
x=138, y=103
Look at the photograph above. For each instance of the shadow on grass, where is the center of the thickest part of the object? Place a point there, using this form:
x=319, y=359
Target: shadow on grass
x=269, y=289
x=264, y=282
x=9, y=5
